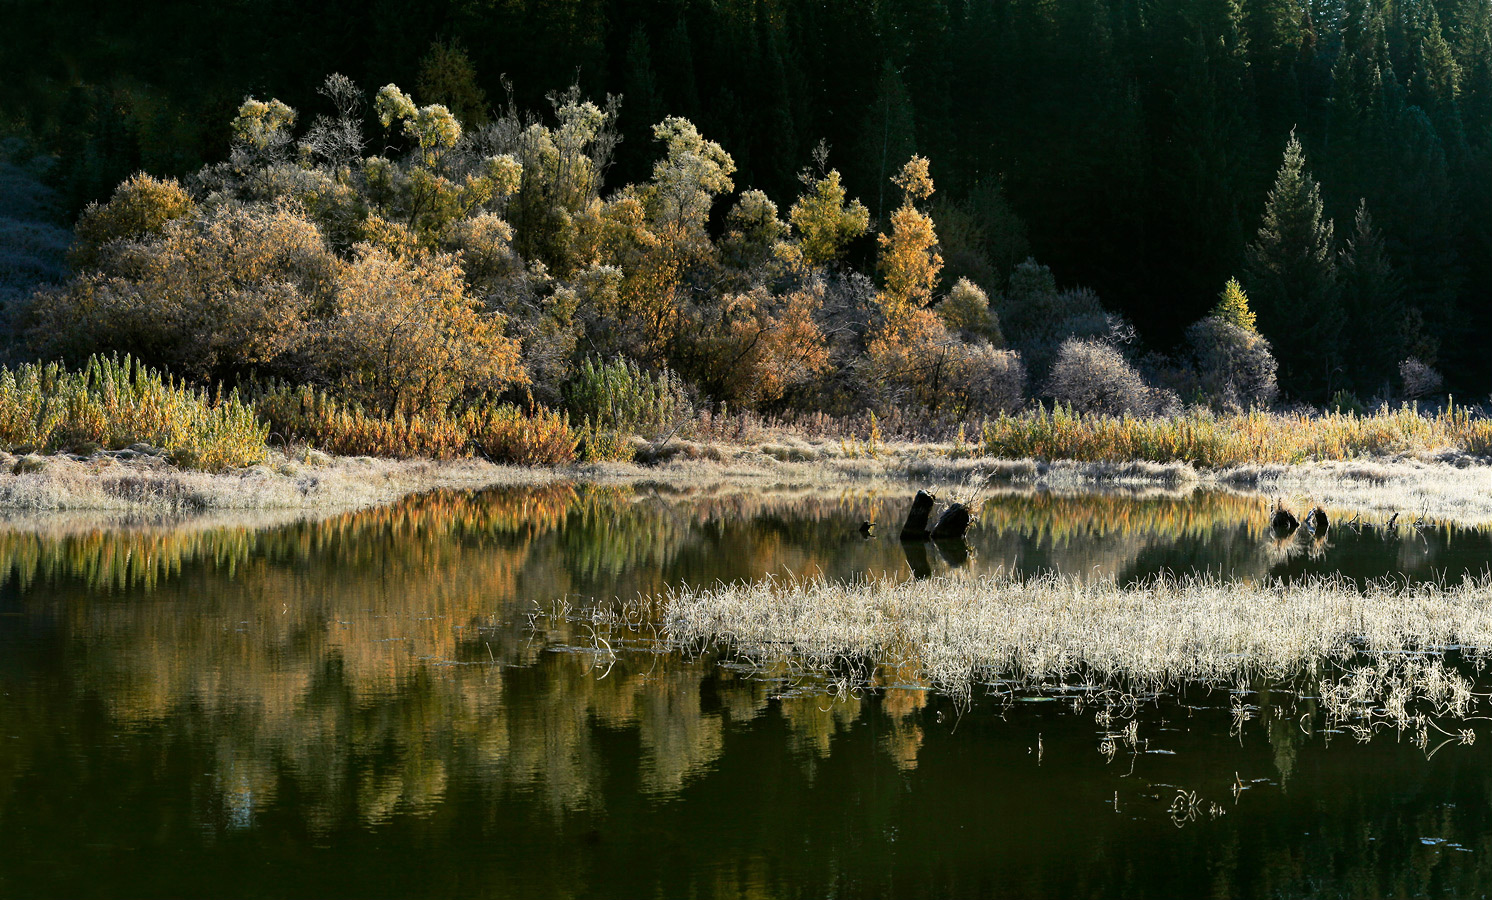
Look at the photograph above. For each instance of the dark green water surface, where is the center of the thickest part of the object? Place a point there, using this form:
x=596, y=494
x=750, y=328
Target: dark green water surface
x=383, y=704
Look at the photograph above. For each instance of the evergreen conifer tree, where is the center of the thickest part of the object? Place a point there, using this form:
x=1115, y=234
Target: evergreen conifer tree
x=1375, y=335
x=1291, y=274
x=1233, y=307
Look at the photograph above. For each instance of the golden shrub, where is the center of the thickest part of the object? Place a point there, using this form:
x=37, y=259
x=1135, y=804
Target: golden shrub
x=406, y=337
x=506, y=435
x=141, y=205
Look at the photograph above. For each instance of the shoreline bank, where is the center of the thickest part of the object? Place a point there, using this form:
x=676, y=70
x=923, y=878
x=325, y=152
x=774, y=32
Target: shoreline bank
x=1446, y=488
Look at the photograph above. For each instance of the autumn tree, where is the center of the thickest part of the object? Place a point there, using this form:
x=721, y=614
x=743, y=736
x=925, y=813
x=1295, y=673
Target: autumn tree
x=966, y=310
x=1233, y=307
x=754, y=233
x=912, y=354
x=405, y=337
x=909, y=260
x=752, y=348
x=823, y=219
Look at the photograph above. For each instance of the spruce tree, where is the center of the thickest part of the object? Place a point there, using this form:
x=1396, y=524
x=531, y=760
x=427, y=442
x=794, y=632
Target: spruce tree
x=889, y=133
x=1233, y=307
x=1436, y=85
x=1372, y=302
x=1291, y=275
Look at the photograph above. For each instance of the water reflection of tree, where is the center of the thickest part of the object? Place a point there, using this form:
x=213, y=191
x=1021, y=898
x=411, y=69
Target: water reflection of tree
x=374, y=654
x=1115, y=533
x=374, y=664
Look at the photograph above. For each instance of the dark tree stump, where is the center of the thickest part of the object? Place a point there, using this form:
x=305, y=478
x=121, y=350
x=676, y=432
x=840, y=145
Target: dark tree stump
x=1282, y=521
x=915, y=528
x=953, y=522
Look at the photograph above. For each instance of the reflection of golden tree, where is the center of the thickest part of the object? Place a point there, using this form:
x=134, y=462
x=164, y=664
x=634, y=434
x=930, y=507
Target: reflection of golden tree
x=813, y=718
x=677, y=740
x=1063, y=518
x=903, y=694
x=375, y=654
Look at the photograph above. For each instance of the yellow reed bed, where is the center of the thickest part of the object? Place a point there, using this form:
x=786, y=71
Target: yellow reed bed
x=114, y=402
x=1211, y=440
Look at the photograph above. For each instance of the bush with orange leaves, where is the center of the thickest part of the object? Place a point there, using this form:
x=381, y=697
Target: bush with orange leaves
x=751, y=348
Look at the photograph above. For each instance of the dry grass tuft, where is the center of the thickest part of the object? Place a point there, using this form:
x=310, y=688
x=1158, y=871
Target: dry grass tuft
x=149, y=486
x=1255, y=438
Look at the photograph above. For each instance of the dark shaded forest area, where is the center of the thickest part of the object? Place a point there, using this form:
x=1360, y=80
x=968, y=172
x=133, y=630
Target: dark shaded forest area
x=1130, y=146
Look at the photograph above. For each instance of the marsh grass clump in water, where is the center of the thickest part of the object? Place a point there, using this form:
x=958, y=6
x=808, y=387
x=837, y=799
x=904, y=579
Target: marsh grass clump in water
x=1403, y=692
x=114, y=402
x=1145, y=636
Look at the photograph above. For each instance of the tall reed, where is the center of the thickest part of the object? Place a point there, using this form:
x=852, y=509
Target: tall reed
x=504, y=434
x=615, y=400
x=114, y=402
x=1230, y=440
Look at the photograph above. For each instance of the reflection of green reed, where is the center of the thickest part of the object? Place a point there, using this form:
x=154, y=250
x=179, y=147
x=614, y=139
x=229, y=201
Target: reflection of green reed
x=613, y=538
x=1061, y=518
x=114, y=559
x=607, y=530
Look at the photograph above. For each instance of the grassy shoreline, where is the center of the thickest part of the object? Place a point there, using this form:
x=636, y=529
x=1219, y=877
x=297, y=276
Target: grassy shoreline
x=1447, y=488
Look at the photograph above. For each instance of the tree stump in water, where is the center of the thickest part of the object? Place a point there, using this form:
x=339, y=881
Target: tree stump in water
x=915, y=528
x=1282, y=521
x=952, y=523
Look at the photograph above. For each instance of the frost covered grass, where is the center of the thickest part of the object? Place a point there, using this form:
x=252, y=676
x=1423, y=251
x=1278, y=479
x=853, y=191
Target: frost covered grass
x=147, y=485
x=1149, y=635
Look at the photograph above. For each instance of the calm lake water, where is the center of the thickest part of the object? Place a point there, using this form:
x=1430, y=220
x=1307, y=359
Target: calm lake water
x=385, y=704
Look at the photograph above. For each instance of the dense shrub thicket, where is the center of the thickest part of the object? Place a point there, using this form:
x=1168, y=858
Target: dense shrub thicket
x=1130, y=146
x=460, y=268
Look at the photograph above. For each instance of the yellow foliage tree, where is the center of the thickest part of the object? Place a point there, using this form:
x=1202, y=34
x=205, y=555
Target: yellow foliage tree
x=405, y=337
x=909, y=261
x=966, y=310
x=1233, y=307
x=824, y=221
